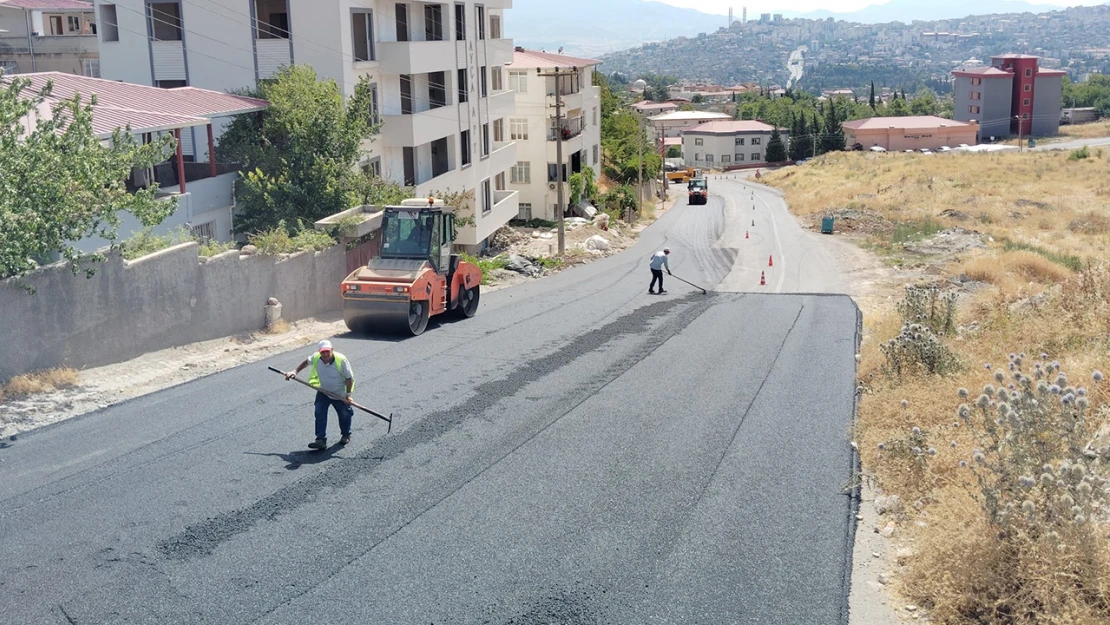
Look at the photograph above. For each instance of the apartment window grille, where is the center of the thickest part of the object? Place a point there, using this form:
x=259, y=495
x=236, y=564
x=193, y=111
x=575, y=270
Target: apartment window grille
x=708, y=158
x=725, y=158
x=204, y=232
x=596, y=154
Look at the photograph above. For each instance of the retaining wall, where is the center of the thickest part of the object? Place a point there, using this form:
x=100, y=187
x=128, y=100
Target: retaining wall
x=166, y=299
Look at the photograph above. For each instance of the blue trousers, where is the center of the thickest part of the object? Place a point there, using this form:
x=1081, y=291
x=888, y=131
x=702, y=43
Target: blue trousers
x=344, y=411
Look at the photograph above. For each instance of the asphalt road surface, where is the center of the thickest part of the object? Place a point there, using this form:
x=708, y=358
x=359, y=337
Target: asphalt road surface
x=580, y=452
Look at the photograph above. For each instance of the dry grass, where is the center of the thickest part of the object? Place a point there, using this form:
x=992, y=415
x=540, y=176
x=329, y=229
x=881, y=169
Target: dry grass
x=1048, y=291
x=1093, y=130
x=280, y=326
x=39, y=382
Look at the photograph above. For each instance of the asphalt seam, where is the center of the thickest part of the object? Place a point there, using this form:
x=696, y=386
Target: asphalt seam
x=683, y=322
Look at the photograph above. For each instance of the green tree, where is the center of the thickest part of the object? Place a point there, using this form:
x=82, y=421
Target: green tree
x=299, y=162
x=871, y=99
x=60, y=183
x=832, y=135
x=698, y=99
x=924, y=102
x=898, y=108
x=801, y=142
x=776, y=151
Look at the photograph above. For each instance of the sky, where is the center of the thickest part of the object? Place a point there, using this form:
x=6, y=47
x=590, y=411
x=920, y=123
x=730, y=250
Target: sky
x=840, y=6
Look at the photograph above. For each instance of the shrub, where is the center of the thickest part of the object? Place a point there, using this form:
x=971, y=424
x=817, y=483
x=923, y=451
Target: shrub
x=928, y=306
x=1079, y=154
x=278, y=240
x=917, y=350
x=145, y=242
x=486, y=265
x=1067, y=260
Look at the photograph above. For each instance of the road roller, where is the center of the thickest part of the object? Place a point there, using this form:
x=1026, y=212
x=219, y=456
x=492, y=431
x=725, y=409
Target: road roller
x=414, y=276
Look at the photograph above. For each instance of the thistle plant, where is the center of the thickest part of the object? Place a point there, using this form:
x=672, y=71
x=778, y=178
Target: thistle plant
x=930, y=307
x=917, y=349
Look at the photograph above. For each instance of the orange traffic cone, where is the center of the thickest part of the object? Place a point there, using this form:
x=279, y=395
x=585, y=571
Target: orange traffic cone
x=762, y=279
x=770, y=261
x=746, y=235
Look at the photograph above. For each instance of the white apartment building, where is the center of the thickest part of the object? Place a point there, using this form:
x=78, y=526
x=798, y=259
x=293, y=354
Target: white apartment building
x=724, y=144
x=437, y=69
x=533, y=128
x=669, y=125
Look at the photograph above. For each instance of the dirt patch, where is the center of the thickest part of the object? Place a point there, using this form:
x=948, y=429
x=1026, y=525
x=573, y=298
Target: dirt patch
x=948, y=243
x=854, y=221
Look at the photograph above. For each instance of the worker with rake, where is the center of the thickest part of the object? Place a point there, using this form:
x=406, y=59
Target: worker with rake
x=333, y=379
x=658, y=262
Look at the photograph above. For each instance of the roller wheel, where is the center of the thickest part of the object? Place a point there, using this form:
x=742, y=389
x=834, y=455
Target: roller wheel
x=418, y=316
x=468, y=302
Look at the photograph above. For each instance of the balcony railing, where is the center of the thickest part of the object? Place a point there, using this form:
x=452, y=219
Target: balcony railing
x=569, y=129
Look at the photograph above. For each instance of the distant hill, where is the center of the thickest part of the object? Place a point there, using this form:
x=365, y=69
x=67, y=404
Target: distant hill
x=907, y=11
x=595, y=27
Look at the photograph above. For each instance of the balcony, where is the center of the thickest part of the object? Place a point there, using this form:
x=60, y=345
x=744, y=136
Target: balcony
x=418, y=57
x=505, y=207
x=502, y=104
x=499, y=51
x=571, y=100
x=420, y=128
x=570, y=129
x=49, y=44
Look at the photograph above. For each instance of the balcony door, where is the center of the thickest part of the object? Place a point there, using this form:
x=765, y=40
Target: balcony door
x=406, y=94
x=402, y=22
x=433, y=22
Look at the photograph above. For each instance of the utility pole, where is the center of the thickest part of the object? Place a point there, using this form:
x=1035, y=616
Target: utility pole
x=639, y=174
x=1018, y=117
x=558, y=73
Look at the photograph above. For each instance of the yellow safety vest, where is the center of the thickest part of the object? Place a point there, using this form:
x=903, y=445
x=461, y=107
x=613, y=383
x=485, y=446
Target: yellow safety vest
x=337, y=360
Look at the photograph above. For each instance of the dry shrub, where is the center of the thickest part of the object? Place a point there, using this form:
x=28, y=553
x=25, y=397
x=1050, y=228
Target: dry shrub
x=39, y=382
x=1026, y=266
x=1090, y=223
x=280, y=326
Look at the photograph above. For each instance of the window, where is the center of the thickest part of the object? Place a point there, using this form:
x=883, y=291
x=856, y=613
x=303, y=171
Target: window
x=1025, y=115
x=596, y=151
x=756, y=156
x=485, y=140
x=433, y=22
x=699, y=141
x=464, y=143
x=1028, y=88
x=481, y=16
x=464, y=88
x=498, y=130
x=495, y=79
x=553, y=172
x=973, y=109
x=483, y=77
x=108, y=19
x=518, y=82
x=757, y=140
x=373, y=167
x=495, y=27
x=1025, y=102
x=406, y=94
x=739, y=140
x=437, y=89
x=90, y=67
x=521, y=173
x=974, y=95
x=487, y=197
x=976, y=81
x=1028, y=72
x=460, y=22
x=362, y=35
x=725, y=158
x=518, y=129
x=739, y=158
x=595, y=116
x=697, y=157
x=170, y=84
x=73, y=24
x=204, y=232
x=708, y=158
x=524, y=211
x=402, y=19
x=165, y=21
x=272, y=20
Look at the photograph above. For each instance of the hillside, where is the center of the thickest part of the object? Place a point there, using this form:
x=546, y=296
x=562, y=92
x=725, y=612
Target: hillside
x=847, y=54
x=907, y=11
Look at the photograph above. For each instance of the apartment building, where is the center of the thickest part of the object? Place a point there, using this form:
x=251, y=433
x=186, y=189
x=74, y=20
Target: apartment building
x=437, y=72
x=1011, y=96
x=724, y=144
x=48, y=36
x=533, y=127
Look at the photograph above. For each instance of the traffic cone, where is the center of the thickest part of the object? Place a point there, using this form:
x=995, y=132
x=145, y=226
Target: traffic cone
x=762, y=279
x=753, y=223
x=770, y=261
x=746, y=235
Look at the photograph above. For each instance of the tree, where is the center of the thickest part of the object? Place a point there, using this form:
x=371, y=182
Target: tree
x=698, y=99
x=898, y=108
x=924, y=102
x=60, y=183
x=776, y=151
x=871, y=100
x=299, y=162
x=832, y=136
x=801, y=143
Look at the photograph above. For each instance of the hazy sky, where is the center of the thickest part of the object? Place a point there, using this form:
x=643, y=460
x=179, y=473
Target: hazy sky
x=840, y=6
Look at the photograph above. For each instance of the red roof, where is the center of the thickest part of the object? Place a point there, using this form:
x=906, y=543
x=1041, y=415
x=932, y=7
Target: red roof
x=47, y=5
x=731, y=127
x=913, y=122
x=146, y=109
x=530, y=59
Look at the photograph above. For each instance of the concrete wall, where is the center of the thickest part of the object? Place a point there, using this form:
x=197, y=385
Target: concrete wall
x=1047, y=105
x=997, y=108
x=163, y=300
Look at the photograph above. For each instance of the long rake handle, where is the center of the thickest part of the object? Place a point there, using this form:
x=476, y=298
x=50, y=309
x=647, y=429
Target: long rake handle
x=388, y=419
x=690, y=283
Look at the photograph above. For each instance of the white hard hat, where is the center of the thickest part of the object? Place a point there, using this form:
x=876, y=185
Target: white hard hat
x=325, y=346
x=666, y=250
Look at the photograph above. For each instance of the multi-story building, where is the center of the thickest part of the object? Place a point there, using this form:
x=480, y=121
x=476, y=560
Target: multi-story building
x=724, y=144
x=48, y=36
x=534, y=129
x=672, y=124
x=436, y=71
x=1011, y=96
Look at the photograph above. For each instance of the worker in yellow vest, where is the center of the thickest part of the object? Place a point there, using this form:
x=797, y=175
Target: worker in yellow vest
x=332, y=376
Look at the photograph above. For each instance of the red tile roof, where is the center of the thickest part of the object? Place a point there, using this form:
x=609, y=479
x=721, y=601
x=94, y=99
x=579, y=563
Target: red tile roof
x=530, y=59
x=918, y=122
x=47, y=5
x=731, y=127
x=146, y=109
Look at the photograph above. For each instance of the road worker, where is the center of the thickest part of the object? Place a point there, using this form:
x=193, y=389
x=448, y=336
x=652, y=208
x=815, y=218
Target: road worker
x=658, y=262
x=331, y=375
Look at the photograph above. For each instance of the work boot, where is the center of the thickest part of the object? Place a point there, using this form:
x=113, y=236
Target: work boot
x=346, y=439
x=320, y=443
x=661, y=291
x=652, y=292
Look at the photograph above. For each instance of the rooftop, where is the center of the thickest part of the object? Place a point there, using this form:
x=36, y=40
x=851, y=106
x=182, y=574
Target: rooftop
x=48, y=5
x=682, y=116
x=731, y=127
x=982, y=71
x=919, y=122
x=145, y=109
x=531, y=59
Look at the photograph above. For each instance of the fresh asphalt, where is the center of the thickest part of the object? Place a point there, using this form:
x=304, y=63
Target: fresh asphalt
x=579, y=452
